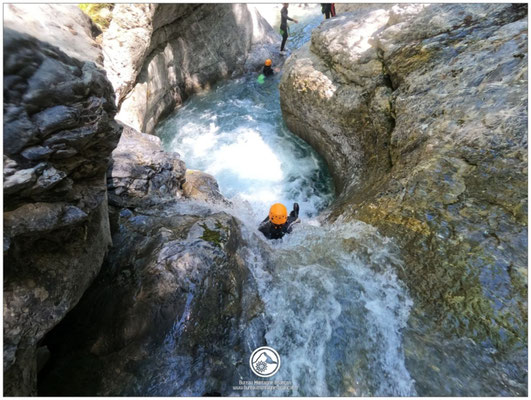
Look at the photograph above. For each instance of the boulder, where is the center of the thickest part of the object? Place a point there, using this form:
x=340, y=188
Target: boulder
x=201, y=186
x=421, y=114
x=171, y=297
x=173, y=293
x=59, y=132
x=159, y=54
x=141, y=172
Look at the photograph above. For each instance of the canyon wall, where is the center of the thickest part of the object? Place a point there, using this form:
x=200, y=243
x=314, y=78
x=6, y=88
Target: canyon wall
x=421, y=114
x=157, y=55
x=74, y=186
x=59, y=132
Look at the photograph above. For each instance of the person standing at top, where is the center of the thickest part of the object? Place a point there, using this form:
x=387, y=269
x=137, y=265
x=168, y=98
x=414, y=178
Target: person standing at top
x=284, y=25
x=326, y=9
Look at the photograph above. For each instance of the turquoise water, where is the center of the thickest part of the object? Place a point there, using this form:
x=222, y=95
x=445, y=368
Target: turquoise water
x=334, y=314
x=236, y=133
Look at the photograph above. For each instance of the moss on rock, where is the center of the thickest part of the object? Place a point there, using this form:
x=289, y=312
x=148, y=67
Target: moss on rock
x=99, y=13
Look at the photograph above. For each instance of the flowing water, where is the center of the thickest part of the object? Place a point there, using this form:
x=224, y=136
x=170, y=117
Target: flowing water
x=334, y=311
x=334, y=308
x=235, y=132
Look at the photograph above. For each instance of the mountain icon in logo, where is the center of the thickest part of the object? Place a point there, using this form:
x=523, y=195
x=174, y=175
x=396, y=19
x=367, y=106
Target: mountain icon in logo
x=264, y=361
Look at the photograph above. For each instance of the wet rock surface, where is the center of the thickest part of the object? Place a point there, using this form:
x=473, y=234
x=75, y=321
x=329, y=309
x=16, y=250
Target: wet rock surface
x=423, y=125
x=159, y=54
x=421, y=114
x=167, y=307
x=172, y=294
x=59, y=132
x=173, y=281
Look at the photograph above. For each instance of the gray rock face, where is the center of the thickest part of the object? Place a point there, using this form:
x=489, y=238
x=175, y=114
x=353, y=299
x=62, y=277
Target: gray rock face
x=142, y=173
x=158, y=54
x=171, y=297
x=324, y=105
x=421, y=114
x=62, y=26
x=173, y=289
x=59, y=132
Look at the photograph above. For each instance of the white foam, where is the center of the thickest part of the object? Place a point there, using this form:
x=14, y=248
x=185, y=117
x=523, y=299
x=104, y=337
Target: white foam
x=318, y=293
x=250, y=153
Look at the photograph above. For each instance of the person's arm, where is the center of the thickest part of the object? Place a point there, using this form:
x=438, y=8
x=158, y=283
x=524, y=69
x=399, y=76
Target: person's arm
x=264, y=227
x=292, y=220
x=285, y=11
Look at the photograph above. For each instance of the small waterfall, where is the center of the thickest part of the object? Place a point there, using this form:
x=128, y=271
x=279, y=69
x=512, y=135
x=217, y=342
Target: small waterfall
x=236, y=133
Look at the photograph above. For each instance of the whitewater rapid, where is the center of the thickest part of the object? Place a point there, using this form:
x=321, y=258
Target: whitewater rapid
x=235, y=132
x=334, y=307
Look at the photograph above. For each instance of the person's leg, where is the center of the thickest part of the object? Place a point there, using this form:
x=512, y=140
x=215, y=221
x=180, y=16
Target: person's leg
x=284, y=38
x=327, y=14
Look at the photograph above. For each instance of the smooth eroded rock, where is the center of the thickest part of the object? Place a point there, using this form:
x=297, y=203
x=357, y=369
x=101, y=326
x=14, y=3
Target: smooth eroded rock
x=159, y=54
x=201, y=186
x=141, y=171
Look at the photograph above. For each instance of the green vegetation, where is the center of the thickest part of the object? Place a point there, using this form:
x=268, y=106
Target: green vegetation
x=211, y=236
x=99, y=13
x=216, y=237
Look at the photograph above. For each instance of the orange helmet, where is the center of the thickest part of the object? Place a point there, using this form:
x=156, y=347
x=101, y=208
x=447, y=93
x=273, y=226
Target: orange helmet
x=268, y=62
x=278, y=214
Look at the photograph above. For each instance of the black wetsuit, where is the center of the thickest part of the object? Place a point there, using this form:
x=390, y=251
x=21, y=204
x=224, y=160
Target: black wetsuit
x=268, y=71
x=272, y=231
x=326, y=9
x=284, y=26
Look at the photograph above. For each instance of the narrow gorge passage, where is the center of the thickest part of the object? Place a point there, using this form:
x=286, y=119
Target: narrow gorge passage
x=143, y=148
x=334, y=308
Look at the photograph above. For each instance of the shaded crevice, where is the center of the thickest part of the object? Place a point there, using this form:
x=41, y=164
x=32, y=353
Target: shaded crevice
x=388, y=81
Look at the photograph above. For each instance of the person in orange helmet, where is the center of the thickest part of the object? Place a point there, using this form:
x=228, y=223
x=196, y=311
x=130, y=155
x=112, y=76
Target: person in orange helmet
x=268, y=69
x=278, y=223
